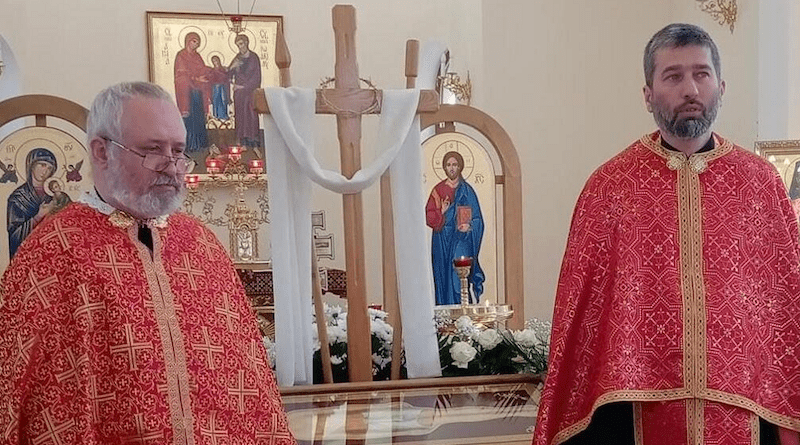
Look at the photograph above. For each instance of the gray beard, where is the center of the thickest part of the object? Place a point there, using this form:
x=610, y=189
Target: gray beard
x=688, y=128
x=150, y=205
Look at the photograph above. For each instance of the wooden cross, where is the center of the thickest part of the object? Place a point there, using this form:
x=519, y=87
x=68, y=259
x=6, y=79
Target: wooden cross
x=340, y=101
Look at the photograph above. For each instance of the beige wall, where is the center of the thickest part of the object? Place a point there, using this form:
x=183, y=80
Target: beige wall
x=76, y=48
x=564, y=79
x=779, y=70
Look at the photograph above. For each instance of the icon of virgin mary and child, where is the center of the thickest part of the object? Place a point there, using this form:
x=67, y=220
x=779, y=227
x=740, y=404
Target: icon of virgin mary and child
x=39, y=196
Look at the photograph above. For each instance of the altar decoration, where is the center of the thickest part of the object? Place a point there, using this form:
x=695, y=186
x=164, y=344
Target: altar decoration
x=483, y=315
x=723, y=11
x=470, y=349
x=292, y=168
x=381, y=342
x=227, y=169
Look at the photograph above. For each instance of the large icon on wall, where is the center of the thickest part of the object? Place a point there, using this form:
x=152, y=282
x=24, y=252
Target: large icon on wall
x=43, y=170
x=460, y=213
x=785, y=156
x=212, y=72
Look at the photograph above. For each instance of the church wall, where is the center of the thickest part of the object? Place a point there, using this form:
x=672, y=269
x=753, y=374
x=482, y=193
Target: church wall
x=565, y=80
x=779, y=70
x=9, y=82
x=74, y=49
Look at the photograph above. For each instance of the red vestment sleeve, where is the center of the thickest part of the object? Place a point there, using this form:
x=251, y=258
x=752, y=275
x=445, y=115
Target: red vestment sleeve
x=584, y=276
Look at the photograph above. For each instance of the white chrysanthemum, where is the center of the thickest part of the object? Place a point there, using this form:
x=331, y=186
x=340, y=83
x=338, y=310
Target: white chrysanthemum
x=270, y=347
x=334, y=314
x=382, y=330
x=315, y=337
x=336, y=334
x=380, y=361
x=377, y=314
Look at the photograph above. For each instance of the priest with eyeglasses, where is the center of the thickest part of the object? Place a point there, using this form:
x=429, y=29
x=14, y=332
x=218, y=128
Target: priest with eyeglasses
x=123, y=320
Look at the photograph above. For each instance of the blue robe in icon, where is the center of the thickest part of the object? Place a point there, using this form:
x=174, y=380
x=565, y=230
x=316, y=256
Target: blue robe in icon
x=448, y=243
x=24, y=202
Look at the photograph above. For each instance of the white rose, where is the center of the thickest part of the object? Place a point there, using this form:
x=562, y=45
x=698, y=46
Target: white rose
x=336, y=360
x=526, y=338
x=463, y=323
x=462, y=353
x=489, y=339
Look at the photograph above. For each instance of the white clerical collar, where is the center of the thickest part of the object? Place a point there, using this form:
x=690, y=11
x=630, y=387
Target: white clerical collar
x=118, y=217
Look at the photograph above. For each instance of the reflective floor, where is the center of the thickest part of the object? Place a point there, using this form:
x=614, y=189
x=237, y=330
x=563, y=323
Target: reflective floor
x=494, y=410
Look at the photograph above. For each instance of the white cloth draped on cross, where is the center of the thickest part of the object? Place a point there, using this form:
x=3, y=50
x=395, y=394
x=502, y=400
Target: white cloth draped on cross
x=292, y=166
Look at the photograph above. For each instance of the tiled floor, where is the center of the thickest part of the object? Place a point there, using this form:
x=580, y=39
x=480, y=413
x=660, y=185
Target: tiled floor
x=493, y=410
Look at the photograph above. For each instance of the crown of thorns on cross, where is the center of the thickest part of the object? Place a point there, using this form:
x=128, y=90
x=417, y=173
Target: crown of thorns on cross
x=326, y=83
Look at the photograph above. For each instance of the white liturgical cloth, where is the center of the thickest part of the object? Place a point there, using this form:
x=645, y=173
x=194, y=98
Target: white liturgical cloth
x=291, y=166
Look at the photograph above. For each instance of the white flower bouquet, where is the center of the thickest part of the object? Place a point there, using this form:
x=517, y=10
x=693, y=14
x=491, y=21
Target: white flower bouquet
x=382, y=338
x=470, y=350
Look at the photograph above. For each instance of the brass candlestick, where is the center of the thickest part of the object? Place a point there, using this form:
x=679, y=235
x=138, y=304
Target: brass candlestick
x=483, y=316
x=463, y=266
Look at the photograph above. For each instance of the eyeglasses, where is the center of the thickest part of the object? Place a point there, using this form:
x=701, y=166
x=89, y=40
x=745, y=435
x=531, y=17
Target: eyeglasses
x=158, y=162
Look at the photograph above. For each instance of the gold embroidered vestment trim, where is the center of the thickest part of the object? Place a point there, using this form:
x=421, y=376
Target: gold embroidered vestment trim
x=175, y=360
x=691, y=266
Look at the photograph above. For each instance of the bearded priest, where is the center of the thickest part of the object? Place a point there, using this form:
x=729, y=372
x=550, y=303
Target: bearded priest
x=676, y=315
x=122, y=320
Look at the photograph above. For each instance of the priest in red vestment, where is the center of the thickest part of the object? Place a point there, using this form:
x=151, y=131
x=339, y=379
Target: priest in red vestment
x=676, y=316
x=122, y=321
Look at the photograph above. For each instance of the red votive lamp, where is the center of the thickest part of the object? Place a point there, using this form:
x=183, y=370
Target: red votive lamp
x=192, y=181
x=236, y=24
x=256, y=166
x=462, y=261
x=213, y=166
x=235, y=152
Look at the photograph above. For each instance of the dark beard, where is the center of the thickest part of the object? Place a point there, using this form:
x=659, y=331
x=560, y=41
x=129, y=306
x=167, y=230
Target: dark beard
x=686, y=128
